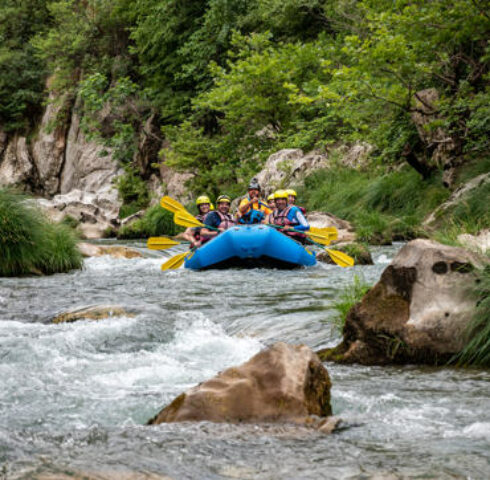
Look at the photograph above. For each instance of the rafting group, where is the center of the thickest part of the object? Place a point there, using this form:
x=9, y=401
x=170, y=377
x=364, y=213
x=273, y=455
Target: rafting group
x=270, y=233
x=280, y=210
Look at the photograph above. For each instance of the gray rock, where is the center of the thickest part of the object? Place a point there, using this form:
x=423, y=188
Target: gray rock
x=16, y=166
x=417, y=312
x=323, y=219
x=288, y=167
x=93, y=312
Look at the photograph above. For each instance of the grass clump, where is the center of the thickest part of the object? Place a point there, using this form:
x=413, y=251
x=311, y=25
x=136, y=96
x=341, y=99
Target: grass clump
x=156, y=221
x=382, y=206
x=29, y=243
x=476, y=352
x=349, y=296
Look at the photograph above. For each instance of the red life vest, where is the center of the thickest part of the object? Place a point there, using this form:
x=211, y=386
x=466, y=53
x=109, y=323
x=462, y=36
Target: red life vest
x=281, y=218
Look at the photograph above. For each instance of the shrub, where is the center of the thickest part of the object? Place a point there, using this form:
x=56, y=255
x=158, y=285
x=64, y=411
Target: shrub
x=30, y=243
x=477, y=349
x=156, y=221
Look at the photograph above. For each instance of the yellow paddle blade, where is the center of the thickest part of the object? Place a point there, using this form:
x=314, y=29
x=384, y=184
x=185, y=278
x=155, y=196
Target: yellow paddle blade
x=161, y=243
x=175, y=262
x=330, y=232
x=185, y=219
x=172, y=205
x=322, y=239
x=340, y=258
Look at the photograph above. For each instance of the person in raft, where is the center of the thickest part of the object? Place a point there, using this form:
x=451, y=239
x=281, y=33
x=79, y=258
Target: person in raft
x=204, y=206
x=271, y=202
x=252, y=209
x=292, y=195
x=220, y=219
x=289, y=217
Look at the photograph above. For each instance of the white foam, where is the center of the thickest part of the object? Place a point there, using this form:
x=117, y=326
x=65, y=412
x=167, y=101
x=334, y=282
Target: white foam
x=478, y=430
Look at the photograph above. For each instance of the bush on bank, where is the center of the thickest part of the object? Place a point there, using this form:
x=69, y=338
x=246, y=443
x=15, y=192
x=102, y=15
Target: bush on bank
x=29, y=243
x=156, y=221
x=381, y=206
x=477, y=349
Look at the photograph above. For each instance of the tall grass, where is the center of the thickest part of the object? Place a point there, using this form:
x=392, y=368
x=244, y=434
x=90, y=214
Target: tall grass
x=29, y=243
x=347, y=298
x=381, y=206
x=477, y=349
x=156, y=221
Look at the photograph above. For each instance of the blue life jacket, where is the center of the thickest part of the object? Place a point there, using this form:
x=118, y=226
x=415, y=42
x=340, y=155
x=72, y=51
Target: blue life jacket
x=252, y=216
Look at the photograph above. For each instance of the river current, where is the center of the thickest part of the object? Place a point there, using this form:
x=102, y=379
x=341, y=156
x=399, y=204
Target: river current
x=74, y=398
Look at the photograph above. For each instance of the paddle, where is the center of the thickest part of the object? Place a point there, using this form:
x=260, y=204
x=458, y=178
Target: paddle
x=172, y=205
x=162, y=243
x=322, y=239
x=340, y=258
x=176, y=261
x=185, y=219
x=330, y=232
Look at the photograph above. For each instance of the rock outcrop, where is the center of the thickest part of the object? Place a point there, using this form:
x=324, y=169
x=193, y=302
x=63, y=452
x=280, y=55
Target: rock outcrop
x=289, y=167
x=479, y=243
x=416, y=313
x=16, y=167
x=281, y=383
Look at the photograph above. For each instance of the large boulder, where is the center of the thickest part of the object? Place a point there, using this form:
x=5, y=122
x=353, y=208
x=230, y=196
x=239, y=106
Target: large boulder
x=289, y=167
x=416, y=313
x=281, y=383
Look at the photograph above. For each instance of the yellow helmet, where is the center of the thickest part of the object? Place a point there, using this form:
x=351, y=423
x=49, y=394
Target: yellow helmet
x=280, y=194
x=270, y=197
x=223, y=198
x=204, y=199
x=292, y=192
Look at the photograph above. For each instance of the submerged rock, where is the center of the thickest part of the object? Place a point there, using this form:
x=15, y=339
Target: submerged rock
x=416, y=313
x=281, y=383
x=94, y=312
x=115, y=251
x=359, y=252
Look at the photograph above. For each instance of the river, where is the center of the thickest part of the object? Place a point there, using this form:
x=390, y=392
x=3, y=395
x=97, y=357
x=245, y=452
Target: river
x=74, y=397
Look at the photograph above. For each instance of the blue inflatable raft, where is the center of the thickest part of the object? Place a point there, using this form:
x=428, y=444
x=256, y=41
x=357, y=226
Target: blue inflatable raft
x=251, y=246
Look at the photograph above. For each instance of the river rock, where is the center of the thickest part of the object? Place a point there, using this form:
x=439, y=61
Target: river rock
x=281, y=383
x=323, y=219
x=416, y=313
x=479, y=243
x=115, y=251
x=94, y=312
x=359, y=252
x=288, y=167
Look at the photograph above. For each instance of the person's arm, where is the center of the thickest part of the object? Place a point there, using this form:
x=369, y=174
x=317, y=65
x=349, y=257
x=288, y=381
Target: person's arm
x=211, y=220
x=303, y=224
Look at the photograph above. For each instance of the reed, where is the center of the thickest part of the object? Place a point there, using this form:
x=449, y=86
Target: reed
x=30, y=243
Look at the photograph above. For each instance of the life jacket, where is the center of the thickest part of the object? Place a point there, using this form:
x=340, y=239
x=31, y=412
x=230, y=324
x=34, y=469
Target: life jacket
x=227, y=222
x=281, y=218
x=254, y=215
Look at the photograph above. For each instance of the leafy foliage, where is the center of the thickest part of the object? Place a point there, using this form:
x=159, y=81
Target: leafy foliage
x=155, y=222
